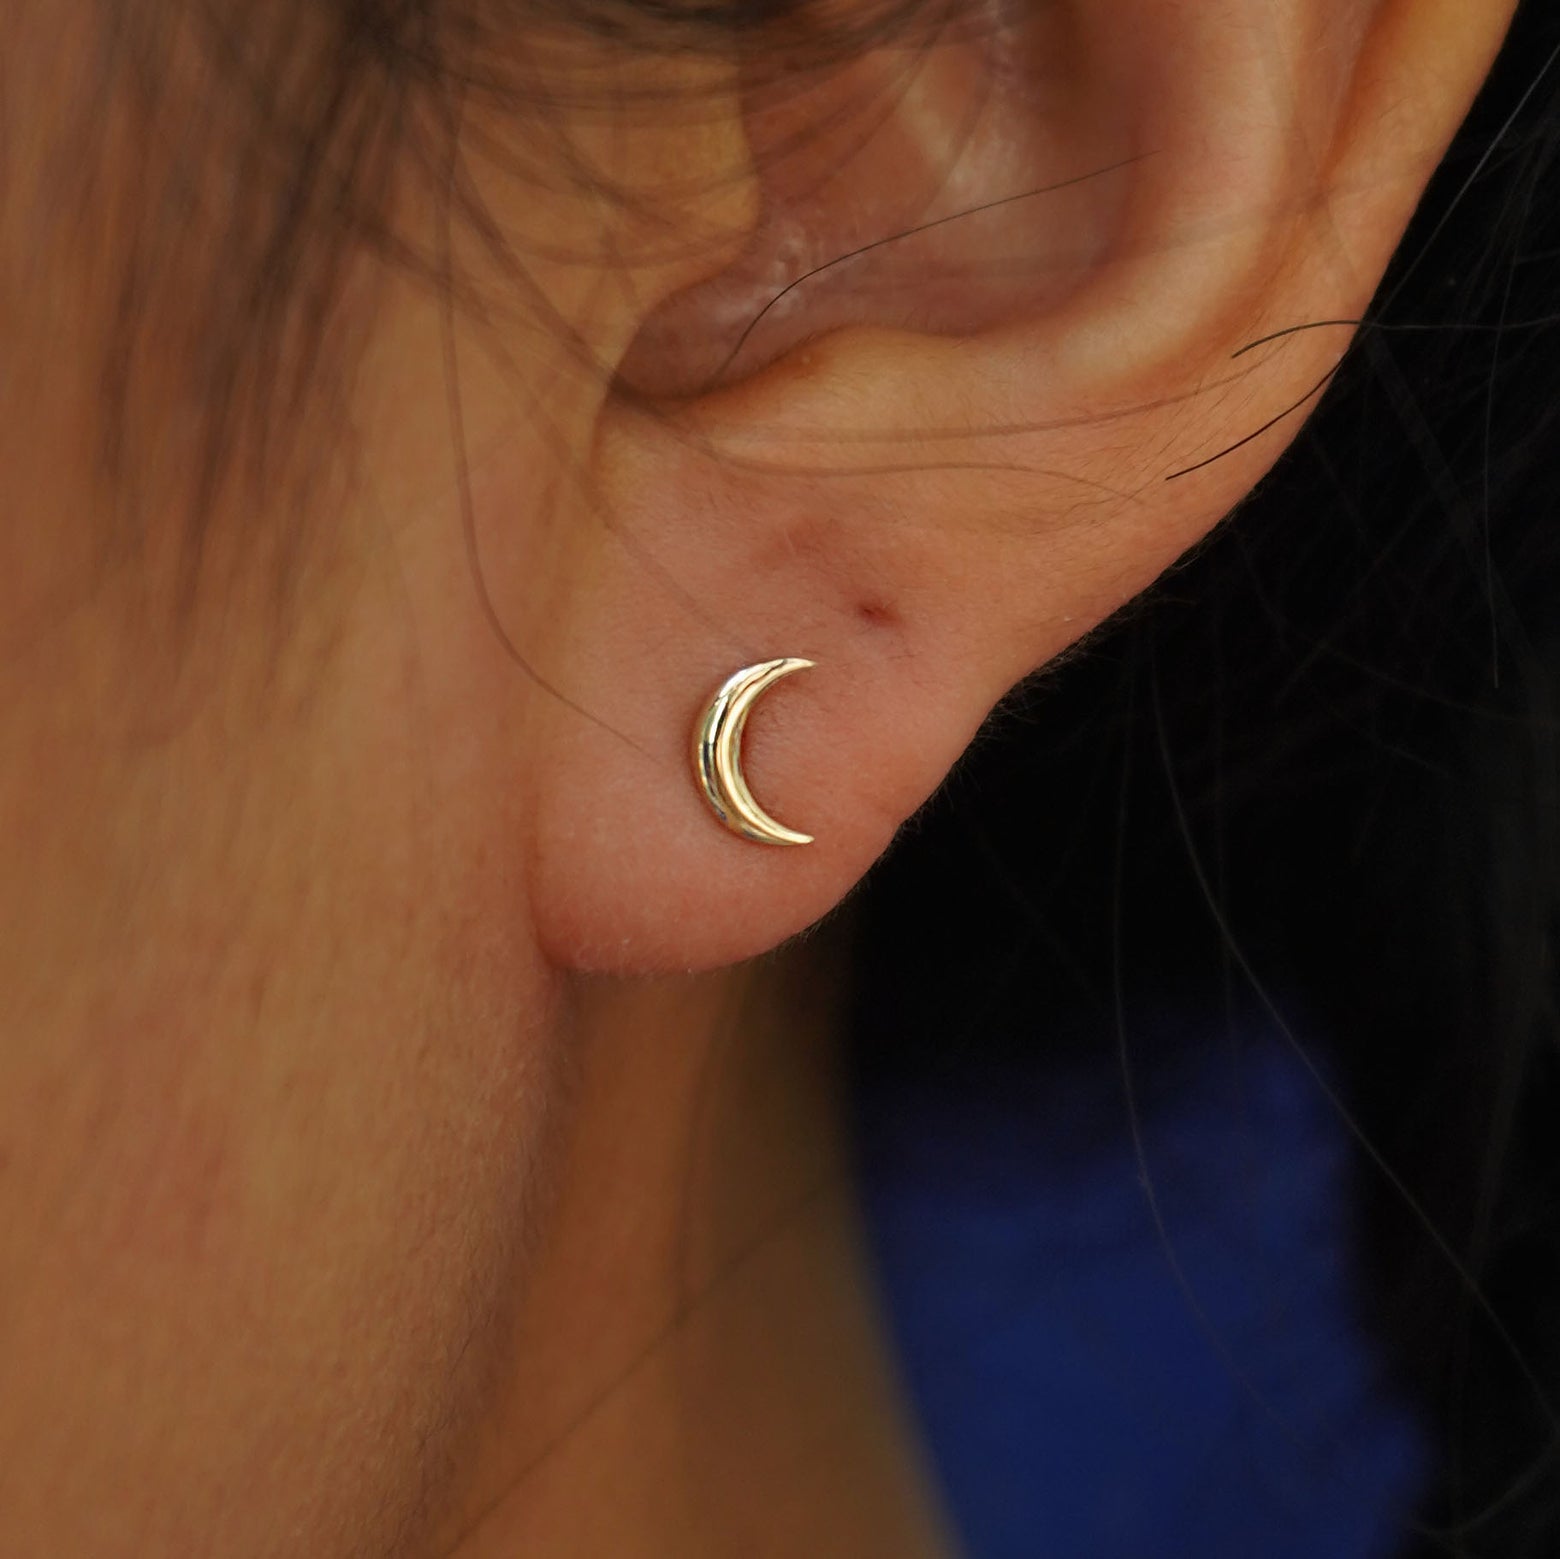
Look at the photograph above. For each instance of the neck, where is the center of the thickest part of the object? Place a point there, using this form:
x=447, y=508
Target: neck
x=698, y=1369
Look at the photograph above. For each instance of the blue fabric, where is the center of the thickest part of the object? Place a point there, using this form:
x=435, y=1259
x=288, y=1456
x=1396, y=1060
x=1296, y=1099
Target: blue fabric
x=1090, y=1386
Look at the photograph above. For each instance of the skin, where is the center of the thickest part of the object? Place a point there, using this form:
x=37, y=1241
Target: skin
x=398, y=1150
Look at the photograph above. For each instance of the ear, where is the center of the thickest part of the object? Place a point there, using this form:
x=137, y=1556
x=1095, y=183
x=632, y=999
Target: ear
x=1015, y=268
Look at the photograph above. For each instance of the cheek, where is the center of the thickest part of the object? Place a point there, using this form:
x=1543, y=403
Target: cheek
x=255, y=1294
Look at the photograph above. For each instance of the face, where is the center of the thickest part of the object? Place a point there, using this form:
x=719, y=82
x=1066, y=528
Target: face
x=282, y=1050
x=276, y=1045
x=277, y=1075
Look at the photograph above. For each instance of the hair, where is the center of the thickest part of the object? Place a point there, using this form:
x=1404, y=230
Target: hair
x=1315, y=775
x=255, y=191
x=1330, y=735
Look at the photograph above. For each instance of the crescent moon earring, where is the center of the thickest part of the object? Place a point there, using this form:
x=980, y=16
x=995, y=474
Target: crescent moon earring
x=717, y=753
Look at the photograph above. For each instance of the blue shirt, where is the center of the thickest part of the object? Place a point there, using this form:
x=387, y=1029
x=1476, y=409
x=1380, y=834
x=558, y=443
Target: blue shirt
x=1137, y=1355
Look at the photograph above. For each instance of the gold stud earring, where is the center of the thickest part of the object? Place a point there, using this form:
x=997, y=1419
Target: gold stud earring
x=717, y=753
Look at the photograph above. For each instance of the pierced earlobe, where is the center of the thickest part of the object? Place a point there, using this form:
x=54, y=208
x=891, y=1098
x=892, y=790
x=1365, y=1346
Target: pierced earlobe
x=717, y=753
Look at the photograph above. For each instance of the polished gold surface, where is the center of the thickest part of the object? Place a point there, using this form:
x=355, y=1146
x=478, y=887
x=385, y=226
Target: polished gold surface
x=717, y=753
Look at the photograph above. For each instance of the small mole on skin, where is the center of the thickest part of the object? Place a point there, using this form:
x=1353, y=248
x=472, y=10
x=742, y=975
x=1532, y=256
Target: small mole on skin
x=877, y=614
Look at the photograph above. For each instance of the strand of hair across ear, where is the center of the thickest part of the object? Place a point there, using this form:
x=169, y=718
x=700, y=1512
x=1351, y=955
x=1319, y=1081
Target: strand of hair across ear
x=912, y=232
x=1542, y=322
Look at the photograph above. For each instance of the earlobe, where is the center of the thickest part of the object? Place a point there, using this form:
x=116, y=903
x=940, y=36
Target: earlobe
x=929, y=494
